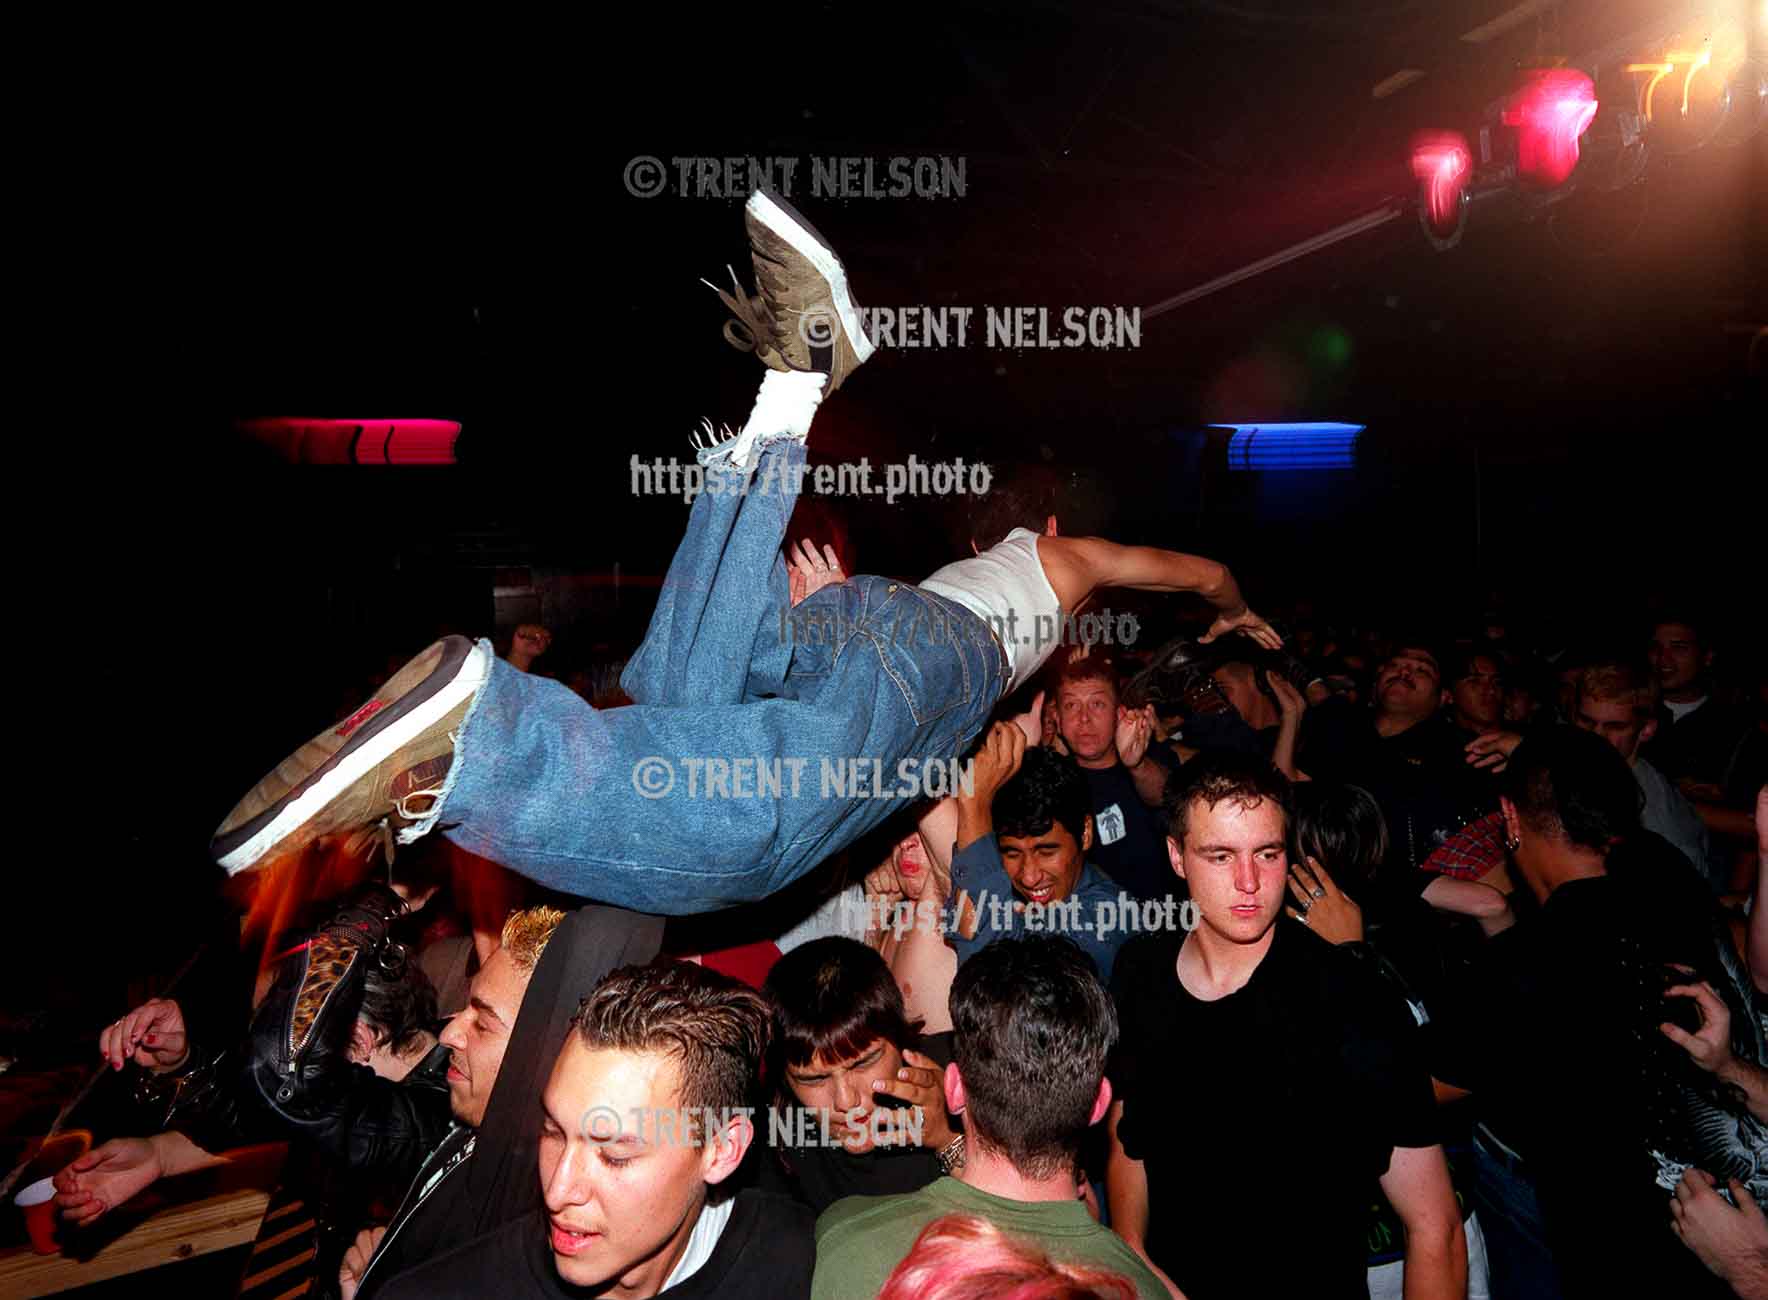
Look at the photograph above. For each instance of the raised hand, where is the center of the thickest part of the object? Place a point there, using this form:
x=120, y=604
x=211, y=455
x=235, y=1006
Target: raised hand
x=808, y=572
x=1031, y=722
x=1135, y=728
x=1290, y=702
x=994, y=764
x=152, y=1035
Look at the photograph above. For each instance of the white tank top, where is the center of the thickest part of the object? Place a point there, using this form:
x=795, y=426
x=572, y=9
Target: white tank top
x=1006, y=587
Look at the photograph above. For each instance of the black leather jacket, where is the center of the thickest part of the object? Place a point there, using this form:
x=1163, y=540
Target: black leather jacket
x=291, y=1077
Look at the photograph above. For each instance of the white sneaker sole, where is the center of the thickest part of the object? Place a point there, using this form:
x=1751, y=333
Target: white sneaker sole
x=787, y=227
x=359, y=762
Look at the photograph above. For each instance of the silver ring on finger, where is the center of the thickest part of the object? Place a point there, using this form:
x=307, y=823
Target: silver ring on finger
x=1319, y=891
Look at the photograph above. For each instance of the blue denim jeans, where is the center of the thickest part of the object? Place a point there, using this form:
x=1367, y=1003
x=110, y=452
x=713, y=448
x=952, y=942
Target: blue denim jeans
x=617, y=805
x=1517, y=1253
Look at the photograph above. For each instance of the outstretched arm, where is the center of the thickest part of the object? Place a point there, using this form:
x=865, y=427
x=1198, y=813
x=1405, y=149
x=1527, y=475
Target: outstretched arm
x=1079, y=566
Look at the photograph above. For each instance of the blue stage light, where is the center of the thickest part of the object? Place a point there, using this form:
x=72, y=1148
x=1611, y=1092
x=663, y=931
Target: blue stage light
x=1292, y=446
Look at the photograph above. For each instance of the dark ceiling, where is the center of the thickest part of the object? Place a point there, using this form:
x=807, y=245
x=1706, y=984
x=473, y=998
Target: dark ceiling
x=434, y=222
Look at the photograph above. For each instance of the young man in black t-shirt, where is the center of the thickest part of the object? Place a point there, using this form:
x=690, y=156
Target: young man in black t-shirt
x=1264, y=1078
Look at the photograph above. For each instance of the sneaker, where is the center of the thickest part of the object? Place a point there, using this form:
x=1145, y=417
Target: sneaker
x=382, y=767
x=804, y=318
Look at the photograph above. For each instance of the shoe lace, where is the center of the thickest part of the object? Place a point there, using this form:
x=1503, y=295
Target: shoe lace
x=382, y=831
x=754, y=329
x=706, y=438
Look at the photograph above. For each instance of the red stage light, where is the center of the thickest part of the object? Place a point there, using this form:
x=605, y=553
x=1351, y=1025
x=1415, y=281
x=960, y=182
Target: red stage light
x=358, y=442
x=1441, y=161
x=1551, y=110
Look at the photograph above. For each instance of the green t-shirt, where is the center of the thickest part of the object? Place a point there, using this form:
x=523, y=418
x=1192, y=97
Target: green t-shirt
x=861, y=1239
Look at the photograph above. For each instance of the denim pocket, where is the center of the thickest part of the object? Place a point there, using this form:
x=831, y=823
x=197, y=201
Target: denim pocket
x=922, y=648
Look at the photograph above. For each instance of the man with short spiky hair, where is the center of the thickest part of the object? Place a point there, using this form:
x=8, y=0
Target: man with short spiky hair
x=647, y=1114
x=1032, y=1026
x=1298, y=1071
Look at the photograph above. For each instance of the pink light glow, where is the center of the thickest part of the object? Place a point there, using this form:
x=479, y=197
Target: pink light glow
x=358, y=442
x=1441, y=161
x=1552, y=109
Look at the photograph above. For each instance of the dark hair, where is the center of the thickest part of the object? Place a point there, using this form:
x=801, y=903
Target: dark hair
x=1694, y=620
x=1046, y=790
x=1032, y=1026
x=1412, y=641
x=834, y=997
x=1460, y=663
x=1216, y=775
x=1022, y=498
x=398, y=1007
x=1341, y=827
x=715, y=1028
x=1573, y=784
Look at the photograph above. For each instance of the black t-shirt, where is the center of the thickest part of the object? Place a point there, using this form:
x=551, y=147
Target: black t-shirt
x=1700, y=744
x=1129, y=838
x=1557, y=1036
x=1291, y=1092
x=766, y=1252
x=1421, y=777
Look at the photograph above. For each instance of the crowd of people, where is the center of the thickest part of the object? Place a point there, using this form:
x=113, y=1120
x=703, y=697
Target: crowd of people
x=1340, y=962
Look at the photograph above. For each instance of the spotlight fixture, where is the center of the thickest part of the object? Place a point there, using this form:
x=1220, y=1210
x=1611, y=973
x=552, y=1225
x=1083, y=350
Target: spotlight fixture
x=1442, y=162
x=1550, y=110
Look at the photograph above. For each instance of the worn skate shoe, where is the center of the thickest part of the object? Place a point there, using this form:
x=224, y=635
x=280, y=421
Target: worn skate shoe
x=382, y=768
x=804, y=318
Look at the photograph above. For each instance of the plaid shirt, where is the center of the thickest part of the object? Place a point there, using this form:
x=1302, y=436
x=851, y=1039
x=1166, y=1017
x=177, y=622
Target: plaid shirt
x=1470, y=852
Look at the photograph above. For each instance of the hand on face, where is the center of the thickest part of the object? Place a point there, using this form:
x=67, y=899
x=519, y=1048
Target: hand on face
x=920, y=1082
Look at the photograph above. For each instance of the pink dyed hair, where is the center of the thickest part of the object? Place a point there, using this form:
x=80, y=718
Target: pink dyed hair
x=963, y=1257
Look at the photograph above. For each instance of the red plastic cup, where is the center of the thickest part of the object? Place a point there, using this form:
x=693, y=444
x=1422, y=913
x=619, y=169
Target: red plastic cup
x=38, y=1204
